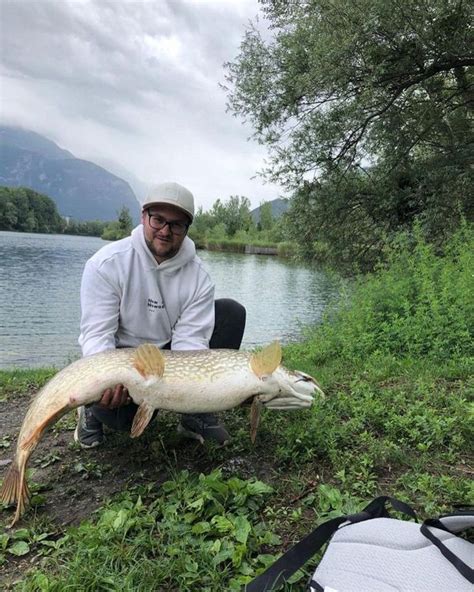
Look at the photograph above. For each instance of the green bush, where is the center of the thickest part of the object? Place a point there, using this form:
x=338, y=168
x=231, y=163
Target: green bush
x=419, y=304
x=395, y=360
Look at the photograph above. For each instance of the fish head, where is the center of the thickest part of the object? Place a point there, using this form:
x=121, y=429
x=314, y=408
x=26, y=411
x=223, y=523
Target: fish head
x=294, y=390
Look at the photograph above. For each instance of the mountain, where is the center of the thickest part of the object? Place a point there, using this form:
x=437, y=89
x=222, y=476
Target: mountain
x=279, y=207
x=80, y=188
x=139, y=187
x=26, y=140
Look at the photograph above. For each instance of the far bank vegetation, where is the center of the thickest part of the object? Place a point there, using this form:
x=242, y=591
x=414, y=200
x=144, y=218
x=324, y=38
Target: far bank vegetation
x=25, y=210
x=228, y=226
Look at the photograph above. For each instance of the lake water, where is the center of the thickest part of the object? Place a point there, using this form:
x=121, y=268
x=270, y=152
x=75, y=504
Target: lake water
x=40, y=276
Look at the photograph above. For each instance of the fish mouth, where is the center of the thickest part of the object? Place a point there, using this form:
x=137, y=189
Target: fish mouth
x=288, y=403
x=293, y=400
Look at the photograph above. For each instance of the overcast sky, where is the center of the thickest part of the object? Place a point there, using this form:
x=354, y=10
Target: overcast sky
x=136, y=83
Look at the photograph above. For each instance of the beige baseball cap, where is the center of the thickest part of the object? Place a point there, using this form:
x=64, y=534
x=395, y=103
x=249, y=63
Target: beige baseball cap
x=172, y=194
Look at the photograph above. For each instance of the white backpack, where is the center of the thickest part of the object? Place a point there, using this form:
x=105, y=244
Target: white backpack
x=371, y=552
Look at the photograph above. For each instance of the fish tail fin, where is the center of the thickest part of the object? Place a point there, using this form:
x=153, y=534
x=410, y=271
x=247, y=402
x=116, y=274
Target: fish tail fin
x=15, y=489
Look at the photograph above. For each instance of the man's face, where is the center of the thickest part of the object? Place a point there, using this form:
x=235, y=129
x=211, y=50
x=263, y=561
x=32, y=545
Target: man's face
x=164, y=243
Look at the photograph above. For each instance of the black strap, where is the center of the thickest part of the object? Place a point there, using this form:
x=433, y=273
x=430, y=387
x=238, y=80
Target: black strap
x=314, y=585
x=378, y=507
x=299, y=554
x=294, y=558
x=462, y=567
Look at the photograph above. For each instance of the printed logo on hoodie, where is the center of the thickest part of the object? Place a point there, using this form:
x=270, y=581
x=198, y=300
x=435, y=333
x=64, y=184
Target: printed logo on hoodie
x=154, y=305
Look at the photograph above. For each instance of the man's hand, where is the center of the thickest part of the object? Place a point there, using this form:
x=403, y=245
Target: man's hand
x=115, y=397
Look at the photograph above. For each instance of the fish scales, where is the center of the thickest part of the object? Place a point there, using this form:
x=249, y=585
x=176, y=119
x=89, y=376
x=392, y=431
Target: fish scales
x=187, y=382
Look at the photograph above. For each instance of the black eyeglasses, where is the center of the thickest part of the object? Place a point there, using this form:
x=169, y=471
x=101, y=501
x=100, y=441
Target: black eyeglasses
x=177, y=227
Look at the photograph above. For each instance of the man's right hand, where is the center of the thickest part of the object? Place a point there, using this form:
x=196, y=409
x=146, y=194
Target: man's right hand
x=115, y=397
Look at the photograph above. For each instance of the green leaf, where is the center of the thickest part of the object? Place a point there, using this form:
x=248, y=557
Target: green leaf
x=4, y=538
x=222, y=524
x=242, y=529
x=258, y=488
x=19, y=548
x=197, y=504
x=201, y=527
x=21, y=534
x=38, y=500
x=120, y=520
x=191, y=565
x=222, y=556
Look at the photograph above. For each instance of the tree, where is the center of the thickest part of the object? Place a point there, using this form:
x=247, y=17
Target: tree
x=342, y=82
x=375, y=85
x=266, y=216
x=25, y=210
x=203, y=223
x=119, y=228
x=125, y=222
x=234, y=214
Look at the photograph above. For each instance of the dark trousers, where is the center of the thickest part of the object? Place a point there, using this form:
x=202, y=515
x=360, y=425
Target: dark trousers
x=228, y=332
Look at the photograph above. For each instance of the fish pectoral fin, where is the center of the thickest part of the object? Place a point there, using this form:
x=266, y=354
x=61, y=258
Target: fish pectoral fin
x=141, y=420
x=267, y=360
x=149, y=360
x=255, y=414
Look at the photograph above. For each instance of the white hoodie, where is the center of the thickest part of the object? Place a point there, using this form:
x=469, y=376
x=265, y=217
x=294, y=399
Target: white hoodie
x=127, y=298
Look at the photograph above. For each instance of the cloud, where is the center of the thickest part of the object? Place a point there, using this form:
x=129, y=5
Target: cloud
x=136, y=83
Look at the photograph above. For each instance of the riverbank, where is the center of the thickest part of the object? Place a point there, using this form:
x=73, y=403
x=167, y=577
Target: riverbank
x=227, y=245
x=395, y=362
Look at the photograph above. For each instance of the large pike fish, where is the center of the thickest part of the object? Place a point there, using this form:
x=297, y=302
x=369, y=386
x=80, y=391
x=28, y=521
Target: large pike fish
x=181, y=381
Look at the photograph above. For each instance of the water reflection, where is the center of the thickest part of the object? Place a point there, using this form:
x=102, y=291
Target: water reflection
x=39, y=294
x=279, y=296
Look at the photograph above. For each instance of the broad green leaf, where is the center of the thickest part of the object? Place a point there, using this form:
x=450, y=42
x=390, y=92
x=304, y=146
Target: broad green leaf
x=242, y=529
x=19, y=548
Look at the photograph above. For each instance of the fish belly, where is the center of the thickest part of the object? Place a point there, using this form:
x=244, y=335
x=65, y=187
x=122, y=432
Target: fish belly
x=200, y=396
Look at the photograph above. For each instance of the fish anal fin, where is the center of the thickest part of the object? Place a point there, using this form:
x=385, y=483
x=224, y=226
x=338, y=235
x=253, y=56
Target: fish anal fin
x=141, y=420
x=149, y=360
x=255, y=414
x=266, y=360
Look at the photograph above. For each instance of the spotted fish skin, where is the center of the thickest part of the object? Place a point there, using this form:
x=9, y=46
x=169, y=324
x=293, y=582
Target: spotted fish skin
x=182, y=381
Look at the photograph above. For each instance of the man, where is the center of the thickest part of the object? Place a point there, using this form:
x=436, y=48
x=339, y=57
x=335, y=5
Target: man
x=152, y=288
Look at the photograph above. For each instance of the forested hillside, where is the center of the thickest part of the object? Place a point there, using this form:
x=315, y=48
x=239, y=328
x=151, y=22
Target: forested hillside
x=25, y=210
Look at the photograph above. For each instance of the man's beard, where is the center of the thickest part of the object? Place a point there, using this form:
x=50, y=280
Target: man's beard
x=168, y=255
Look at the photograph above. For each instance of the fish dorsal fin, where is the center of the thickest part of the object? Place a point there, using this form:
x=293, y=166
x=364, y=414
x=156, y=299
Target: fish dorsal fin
x=267, y=360
x=142, y=419
x=149, y=360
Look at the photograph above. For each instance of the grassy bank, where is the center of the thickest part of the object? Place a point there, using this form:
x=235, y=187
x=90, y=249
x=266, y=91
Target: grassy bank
x=243, y=245
x=395, y=360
